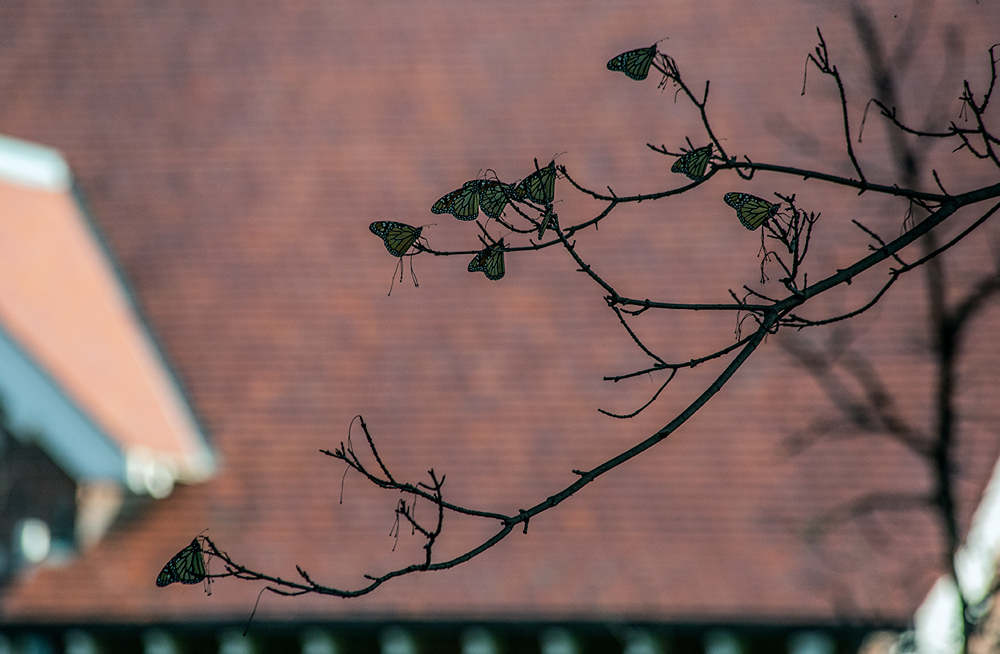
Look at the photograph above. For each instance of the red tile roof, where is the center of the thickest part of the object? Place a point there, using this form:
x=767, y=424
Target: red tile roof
x=234, y=155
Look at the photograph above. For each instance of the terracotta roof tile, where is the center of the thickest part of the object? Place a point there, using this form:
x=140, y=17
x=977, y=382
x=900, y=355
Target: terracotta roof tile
x=234, y=155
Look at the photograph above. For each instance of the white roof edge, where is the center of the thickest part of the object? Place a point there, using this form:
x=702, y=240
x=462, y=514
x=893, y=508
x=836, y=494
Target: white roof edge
x=937, y=620
x=33, y=165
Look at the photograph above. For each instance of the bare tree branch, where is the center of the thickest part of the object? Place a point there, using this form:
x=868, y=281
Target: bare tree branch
x=788, y=233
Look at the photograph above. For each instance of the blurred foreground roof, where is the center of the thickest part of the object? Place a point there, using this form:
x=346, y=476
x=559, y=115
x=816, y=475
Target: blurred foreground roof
x=80, y=370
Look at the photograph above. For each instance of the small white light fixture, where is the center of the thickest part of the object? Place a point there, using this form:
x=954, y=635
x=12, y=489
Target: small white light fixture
x=158, y=641
x=316, y=641
x=811, y=642
x=640, y=641
x=477, y=640
x=721, y=641
x=396, y=640
x=33, y=540
x=147, y=474
x=558, y=641
x=234, y=642
x=78, y=641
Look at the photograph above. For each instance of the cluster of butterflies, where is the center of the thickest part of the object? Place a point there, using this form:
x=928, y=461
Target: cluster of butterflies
x=186, y=567
x=489, y=195
x=492, y=196
x=751, y=210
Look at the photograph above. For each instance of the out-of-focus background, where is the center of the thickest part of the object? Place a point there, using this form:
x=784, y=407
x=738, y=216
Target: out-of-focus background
x=192, y=306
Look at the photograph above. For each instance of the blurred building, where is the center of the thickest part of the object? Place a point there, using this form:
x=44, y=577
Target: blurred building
x=91, y=413
x=191, y=307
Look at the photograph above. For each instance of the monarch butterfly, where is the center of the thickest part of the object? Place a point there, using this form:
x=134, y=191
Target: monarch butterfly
x=493, y=196
x=550, y=216
x=752, y=211
x=187, y=567
x=539, y=186
x=517, y=192
x=462, y=203
x=634, y=63
x=693, y=163
x=490, y=261
x=398, y=237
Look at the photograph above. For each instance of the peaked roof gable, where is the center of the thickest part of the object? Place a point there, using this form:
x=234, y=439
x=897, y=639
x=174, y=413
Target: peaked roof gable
x=84, y=371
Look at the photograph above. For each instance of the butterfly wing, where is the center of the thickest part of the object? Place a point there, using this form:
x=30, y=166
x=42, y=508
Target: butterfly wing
x=693, y=163
x=634, y=63
x=517, y=192
x=493, y=197
x=493, y=267
x=462, y=203
x=751, y=210
x=755, y=214
x=489, y=261
x=539, y=186
x=478, y=261
x=187, y=567
x=398, y=237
